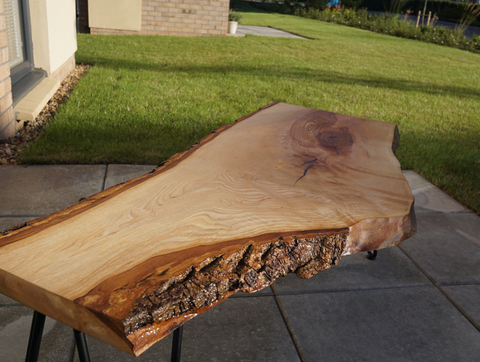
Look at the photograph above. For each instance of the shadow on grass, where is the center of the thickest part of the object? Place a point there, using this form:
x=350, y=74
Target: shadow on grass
x=247, y=7
x=82, y=140
x=450, y=162
x=294, y=74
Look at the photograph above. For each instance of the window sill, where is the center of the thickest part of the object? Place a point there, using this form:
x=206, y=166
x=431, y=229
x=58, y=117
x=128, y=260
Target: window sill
x=28, y=108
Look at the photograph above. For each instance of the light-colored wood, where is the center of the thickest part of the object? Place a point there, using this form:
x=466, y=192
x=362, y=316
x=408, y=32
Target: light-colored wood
x=284, y=183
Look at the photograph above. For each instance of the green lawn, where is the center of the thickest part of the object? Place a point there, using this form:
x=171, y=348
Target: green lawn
x=148, y=97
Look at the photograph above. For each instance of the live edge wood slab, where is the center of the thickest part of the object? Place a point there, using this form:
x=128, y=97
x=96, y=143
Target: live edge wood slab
x=284, y=189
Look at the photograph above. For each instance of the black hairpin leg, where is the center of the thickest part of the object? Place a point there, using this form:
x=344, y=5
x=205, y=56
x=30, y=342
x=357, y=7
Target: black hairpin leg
x=82, y=349
x=177, y=344
x=372, y=255
x=35, y=338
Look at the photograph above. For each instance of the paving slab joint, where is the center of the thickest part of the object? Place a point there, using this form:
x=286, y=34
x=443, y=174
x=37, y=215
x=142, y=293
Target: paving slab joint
x=434, y=282
x=289, y=326
x=105, y=178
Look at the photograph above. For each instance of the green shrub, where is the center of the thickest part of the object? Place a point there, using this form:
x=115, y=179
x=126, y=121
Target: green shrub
x=234, y=16
x=352, y=4
x=284, y=7
x=393, y=25
x=445, y=10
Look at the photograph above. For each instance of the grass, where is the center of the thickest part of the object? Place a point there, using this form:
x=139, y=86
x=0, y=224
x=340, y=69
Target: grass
x=394, y=25
x=148, y=97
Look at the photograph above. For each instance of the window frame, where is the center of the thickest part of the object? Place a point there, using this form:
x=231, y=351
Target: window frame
x=23, y=69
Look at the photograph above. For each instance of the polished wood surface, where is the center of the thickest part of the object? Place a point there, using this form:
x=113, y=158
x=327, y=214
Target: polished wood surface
x=285, y=189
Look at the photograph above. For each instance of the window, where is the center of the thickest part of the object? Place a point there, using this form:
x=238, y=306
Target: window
x=18, y=36
x=23, y=76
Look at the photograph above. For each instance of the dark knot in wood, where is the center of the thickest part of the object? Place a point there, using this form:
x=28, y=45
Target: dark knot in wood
x=336, y=139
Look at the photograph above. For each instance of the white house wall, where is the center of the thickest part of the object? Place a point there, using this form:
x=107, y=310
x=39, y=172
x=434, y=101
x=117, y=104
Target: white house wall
x=115, y=14
x=53, y=26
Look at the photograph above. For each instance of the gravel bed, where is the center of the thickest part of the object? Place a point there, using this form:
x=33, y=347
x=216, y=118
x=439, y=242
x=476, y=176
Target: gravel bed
x=11, y=149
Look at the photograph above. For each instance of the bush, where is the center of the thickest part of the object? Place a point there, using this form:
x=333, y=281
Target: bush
x=391, y=25
x=234, y=16
x=281, y=6
x=351, y=4
x=445, y=10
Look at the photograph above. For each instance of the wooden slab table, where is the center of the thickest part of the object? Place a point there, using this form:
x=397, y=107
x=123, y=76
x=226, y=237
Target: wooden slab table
x=284, y=189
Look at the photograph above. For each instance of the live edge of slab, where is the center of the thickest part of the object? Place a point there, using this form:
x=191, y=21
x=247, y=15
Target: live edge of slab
x=284, y=189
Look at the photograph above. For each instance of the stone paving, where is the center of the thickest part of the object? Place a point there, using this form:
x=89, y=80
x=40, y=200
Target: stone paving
x=242, y=30
x=418, y=301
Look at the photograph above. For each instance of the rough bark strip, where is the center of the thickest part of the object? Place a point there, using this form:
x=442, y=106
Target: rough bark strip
x=248, y=270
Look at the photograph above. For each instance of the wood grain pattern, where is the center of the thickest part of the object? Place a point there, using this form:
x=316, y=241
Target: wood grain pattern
x=285, y=189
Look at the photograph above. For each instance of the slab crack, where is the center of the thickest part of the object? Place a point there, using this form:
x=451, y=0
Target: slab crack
x=304, y=173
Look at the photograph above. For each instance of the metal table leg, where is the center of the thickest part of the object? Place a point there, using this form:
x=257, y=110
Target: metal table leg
x=177, y=344
x=82, y=349
x=36, y=332
x=35, y=338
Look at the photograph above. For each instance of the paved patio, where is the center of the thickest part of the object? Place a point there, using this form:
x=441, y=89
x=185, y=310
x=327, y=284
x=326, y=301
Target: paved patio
x=242, y=30
x=417, y=302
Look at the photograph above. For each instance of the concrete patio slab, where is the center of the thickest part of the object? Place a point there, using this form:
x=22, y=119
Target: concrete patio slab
x=261, y=293
x=468, y=297
x=429, y=198
x=6, y=301
x=117, y=174
x=8, y=222
x=445, y=246
x=239, y=329
x=100, y=351
x=242, y=30
x=57, y=341
x=402, y=324
x=42, y=190
x=354, y=272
